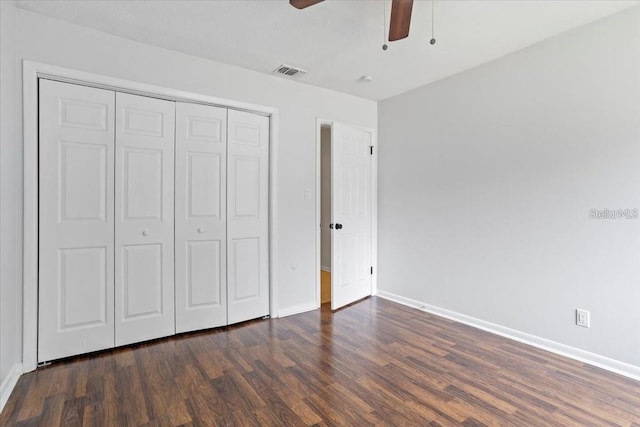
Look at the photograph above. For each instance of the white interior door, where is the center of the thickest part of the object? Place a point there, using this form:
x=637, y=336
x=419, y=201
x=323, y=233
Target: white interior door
x=76, y=224
x=247, y=216
x=144, y=204
x=351, y=248
x=201, y=210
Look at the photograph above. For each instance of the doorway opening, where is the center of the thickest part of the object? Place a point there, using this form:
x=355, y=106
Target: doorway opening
x=33, y=72
x=325, y=214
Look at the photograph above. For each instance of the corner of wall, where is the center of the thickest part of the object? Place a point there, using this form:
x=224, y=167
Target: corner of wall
x=10, y=202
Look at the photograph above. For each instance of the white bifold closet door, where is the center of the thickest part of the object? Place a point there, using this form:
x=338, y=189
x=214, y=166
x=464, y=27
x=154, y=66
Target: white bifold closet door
x=76, y=247
x=144, y=204
x=201, y=211
x=247, y=216
x=133, y=189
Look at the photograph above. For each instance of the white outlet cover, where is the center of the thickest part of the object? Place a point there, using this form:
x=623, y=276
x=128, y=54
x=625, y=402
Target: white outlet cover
x=583, y=318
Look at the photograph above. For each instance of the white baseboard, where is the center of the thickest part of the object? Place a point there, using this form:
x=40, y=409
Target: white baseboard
x=9, y=383
x=594, y=359
x=325, y=268
x=302, y=308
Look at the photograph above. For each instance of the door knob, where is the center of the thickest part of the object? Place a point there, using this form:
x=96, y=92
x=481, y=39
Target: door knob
x=200, y=230
x=338, y=226
x=145, y=232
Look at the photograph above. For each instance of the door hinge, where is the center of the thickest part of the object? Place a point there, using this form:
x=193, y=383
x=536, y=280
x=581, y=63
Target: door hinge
x=371, y=149
x=372, y=271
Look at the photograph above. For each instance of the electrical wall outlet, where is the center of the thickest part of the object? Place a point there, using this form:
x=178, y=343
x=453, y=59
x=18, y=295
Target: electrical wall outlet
x=583, y=318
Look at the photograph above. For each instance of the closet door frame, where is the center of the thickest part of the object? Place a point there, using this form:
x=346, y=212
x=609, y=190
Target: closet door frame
x=33, y=71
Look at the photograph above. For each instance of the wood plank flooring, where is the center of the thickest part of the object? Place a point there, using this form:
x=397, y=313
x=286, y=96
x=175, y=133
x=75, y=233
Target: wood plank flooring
x=325, y=286
x=373, y=363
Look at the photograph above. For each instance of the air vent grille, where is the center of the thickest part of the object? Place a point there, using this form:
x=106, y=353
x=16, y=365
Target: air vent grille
x=288, y=70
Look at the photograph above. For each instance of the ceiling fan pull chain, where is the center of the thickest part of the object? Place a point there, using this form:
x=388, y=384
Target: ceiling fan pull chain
x=433, y=39
x=384, y=25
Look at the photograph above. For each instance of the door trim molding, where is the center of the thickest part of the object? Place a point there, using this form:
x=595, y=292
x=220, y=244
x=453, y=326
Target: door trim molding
x=31, y=72
x=320, y=122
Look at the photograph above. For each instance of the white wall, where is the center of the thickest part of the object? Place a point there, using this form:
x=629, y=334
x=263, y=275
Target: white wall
x=59, y=43
x=486, y=180
x=325, y=197
x=10, y=199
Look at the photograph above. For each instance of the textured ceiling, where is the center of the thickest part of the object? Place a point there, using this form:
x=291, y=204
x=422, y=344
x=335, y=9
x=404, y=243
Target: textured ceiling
x=338, y=41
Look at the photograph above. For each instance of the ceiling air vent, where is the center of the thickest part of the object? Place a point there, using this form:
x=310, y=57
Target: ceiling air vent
x=290, y=71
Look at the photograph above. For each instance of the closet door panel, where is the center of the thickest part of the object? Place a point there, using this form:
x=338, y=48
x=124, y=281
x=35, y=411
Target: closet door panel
x=248, y=226
x=144, y=203
x=142, y=281
x=201, y=140
x=76, y=224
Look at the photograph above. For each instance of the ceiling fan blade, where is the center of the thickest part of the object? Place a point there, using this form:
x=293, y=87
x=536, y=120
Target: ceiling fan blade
x=301, y=4
x=400, y=19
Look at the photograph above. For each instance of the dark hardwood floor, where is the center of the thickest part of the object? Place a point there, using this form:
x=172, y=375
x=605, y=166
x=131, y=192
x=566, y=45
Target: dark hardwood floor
x=373, y=363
